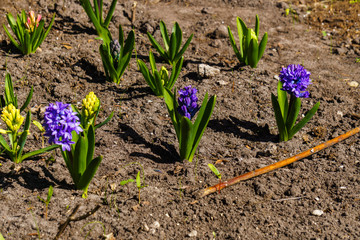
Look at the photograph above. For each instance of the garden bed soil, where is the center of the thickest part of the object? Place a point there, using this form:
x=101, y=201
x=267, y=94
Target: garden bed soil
x=241, y=135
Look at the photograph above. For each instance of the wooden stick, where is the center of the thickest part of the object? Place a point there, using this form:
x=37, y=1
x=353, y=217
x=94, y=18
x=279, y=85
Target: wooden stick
x=276, y=165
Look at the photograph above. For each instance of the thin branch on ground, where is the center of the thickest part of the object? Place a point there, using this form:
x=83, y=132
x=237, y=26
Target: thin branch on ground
x=72, y=218
x=276, y=165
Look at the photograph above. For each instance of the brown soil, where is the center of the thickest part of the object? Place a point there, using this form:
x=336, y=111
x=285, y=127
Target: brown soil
x=242, y=132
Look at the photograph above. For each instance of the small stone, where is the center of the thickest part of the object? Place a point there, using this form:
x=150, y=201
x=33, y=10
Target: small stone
x=193, y=233
x=340, y=113
x=317, y=212
x=317, y=199
x=207, y=71
x=353, y=84
x=222, y=82
x=221, y=32
x=155, y=224
x=146, y=227
x=277, y=77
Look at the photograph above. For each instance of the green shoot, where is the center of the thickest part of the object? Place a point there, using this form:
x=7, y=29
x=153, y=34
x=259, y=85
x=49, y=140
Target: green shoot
x=215, y=171
x=47, y=201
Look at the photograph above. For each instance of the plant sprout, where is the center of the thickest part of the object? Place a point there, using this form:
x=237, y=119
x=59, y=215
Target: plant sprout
x=250, y=50
x=172, y=52
x=47, y=201
x=215, y=171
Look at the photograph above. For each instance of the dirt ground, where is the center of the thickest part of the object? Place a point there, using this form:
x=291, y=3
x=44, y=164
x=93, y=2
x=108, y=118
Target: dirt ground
x=323, y=36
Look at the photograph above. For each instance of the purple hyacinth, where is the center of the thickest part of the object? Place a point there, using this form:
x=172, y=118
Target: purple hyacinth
x=59, y=122
x=188, y=102
x=295, y=79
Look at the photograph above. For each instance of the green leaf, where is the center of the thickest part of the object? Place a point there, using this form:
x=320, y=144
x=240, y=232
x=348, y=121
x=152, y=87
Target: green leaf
x=174, y=74
x=279, y=119
x=170, y=102
x=157, y=46
x=172, y=48
x=105, y=121
x=178, y=35
x=165, y=35
x=282, y=101
x=253, y=53
x=1, y=237
x=138, y=180
x=10, y=98
x=13, y=41
x=182, y=51
x=89, y=173
x=159, y=87
x=4, y=144
x=121, y=36
x=262, y=45
x=242, y=31
x=185, y=140
x=214, y=170
x=145, y=72
x=45, y=34
x=152, y=62
x=199, y=127
x=257, y=26
x=80, y=157
x=124, y=182
x=233, y=44
x=28, y=99
x=294, y=109
x=110, y=13
x=91, y=145
x=39, y=151
x=303, y=121
x=50, y=193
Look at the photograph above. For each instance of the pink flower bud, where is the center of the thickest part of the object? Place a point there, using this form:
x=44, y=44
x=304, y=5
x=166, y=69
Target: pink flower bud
x=32, y=16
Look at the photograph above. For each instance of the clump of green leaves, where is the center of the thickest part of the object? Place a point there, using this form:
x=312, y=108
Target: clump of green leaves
x=96, y=17
x=13, y=119
x=47, y=201
x=182, y=111
x=30, y=32
x=159, y=80
x=250, y=50
x=172, y=52
x=116, y=55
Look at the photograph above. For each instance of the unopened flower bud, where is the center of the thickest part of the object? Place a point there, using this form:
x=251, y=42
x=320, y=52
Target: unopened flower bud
x=11, y=116
x=115, y=49
x=164, y=75
x=90, y=107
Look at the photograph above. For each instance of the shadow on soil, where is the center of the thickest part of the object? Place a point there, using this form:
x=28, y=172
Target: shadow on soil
x=243, y=129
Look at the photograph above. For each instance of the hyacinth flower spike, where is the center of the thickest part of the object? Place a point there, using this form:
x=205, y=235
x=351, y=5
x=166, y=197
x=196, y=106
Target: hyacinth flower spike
x=294, y=80
x=13, y=120
x=182, y=112
x=74, y=132
x=29, y=31
x=116, y=55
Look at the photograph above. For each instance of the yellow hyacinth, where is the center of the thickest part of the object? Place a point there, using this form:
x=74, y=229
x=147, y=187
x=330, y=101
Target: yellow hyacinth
x=11, y=116
x=91, y=105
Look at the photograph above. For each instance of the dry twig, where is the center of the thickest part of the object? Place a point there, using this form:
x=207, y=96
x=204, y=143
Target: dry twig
x=276, y=165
